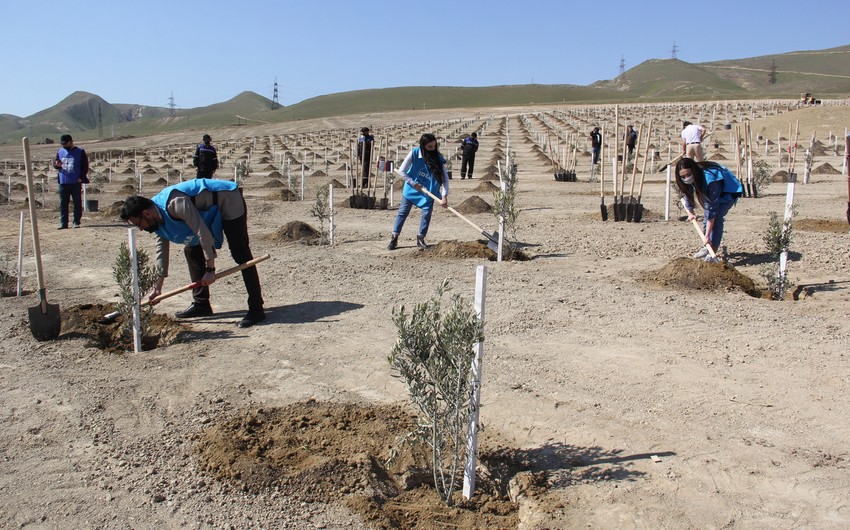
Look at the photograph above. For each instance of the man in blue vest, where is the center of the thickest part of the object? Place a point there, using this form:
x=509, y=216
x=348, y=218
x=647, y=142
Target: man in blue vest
x=73, y=165
x=196, y=213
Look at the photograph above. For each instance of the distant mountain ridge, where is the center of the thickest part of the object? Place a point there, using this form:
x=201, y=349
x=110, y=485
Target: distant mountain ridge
x=825, y=73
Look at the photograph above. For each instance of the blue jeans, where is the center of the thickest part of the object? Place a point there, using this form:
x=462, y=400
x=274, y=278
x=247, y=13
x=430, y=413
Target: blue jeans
x=404, y=211
x=717, y=232
x=66, y=193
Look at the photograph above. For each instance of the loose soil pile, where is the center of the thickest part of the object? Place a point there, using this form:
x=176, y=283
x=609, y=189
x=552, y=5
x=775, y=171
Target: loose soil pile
x=473, y=205
x=326, y=452
x=687, y=273
x=85, y=321
x=295, y=231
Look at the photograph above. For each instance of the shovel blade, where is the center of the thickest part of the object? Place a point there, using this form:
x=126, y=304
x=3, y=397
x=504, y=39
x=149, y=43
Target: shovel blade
x=45, y=321
x=630, y=212
x=604, y=210
x=638, y=212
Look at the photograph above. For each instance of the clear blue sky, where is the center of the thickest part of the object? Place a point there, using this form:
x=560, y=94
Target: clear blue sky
x=207, y=52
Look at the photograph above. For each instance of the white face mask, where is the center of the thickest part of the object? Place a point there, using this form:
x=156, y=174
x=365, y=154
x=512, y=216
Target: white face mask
x=688, y=180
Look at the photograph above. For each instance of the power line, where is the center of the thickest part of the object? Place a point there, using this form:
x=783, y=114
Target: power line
x=275, y=100
x=674, y=50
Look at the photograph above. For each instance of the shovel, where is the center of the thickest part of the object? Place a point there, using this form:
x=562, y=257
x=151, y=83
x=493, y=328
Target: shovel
x=638, y=215
x=45, y=319
x=110, y=318
x=493, y=239
x=603, y=209
x=702, y=238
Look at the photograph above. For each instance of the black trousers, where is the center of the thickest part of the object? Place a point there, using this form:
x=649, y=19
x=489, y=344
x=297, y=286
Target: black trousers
x=66, y=193
x=236, y=233
x=467, y=163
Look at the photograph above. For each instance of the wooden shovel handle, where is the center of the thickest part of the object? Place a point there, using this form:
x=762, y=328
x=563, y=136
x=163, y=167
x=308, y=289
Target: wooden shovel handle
x=702, y=238
x=221, y=274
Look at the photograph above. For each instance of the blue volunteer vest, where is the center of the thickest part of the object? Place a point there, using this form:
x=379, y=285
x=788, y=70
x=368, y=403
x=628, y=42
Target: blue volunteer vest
x=732, y=187
x=72, y=165
x=422, y=175
x=176, y=230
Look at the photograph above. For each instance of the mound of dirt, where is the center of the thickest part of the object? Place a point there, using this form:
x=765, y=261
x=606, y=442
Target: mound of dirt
x=337, y=184
x=780, y=176
x=284, y=194
x=273, y=183
x=486, y=187
x=161, y=182
x=327, y=452
x=686, y=273
x=85, y=321
x=113, y=210
x=275, y=175
x=717, y=156
x=295, y=231
x=319, y=173
x=826, y=169
x=833, y=226
x=474, y=204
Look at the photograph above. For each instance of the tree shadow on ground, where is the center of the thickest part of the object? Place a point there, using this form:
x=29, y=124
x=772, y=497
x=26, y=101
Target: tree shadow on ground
x=738, y=259
x=566, y=464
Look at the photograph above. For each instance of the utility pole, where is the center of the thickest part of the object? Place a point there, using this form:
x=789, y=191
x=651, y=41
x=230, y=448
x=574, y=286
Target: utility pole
x=674, y=50
x=622, y=65
x=275, y=101
x=171, y=105
x=771, y=77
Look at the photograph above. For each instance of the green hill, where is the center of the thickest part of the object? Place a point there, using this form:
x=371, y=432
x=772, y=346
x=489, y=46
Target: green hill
x=824, y=73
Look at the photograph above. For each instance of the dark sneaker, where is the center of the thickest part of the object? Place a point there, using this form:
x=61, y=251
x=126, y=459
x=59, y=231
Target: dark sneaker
x=195, y=310
x=393, y=244
x=420, y=242
x=251, y=318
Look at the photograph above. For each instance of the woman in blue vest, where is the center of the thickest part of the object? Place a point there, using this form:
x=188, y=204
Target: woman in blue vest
x=73, y=165
x=199, y=214
x=424, y=167
x=716, y=188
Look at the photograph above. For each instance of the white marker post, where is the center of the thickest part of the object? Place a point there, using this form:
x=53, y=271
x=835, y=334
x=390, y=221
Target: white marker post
x=667, y=195
x=331, y=206
x=475, y=398
x=786, y=226
x=302, y=180
x=134, y=270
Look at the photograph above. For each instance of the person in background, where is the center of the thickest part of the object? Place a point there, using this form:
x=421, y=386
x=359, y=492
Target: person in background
x=468, y=147
x=631, y=140
x=73, y=165
x=196, y=213
x=595, y=145
x=424, y=167
x=364, y=154
x=205, y=159
x=692, y=136
x=715, y=188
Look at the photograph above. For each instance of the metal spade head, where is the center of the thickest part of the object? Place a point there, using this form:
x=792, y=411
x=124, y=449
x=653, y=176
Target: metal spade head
x=45, y=321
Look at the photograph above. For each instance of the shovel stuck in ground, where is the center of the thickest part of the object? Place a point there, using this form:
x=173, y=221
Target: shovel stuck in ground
x=110, y=318
x=45, y=319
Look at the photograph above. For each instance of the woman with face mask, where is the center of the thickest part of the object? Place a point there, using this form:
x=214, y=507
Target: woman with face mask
x=423, y=168
x=716, y=188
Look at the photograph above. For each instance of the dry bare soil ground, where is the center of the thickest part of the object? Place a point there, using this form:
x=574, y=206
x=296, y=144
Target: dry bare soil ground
x=617, y=392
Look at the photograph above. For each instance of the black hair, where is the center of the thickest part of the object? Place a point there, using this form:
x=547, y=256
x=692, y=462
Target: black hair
x=685, y=124
x=699, y=186
x=206, y=138
x=133, y=206
x=432, y=158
